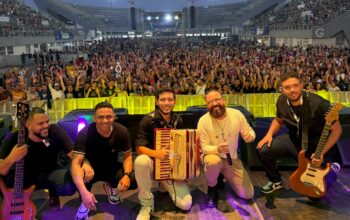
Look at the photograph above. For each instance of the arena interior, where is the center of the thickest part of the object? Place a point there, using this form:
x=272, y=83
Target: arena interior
x=67, y=56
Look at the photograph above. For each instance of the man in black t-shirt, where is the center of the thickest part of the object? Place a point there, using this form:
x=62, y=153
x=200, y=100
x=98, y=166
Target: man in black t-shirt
x=162, y=117
x=111, y=90
x=69, y=93
x=99, y=144
x=93, y=91
x=44, y=146
x=290, y=106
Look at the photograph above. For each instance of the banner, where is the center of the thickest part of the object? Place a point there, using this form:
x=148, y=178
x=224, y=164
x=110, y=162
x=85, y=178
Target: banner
x=59, y=35
x=45, y=23
x=4, y=19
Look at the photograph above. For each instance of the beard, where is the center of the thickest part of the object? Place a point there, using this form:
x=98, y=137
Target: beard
x=296, y=99
x=39, y=135
x=217, y=112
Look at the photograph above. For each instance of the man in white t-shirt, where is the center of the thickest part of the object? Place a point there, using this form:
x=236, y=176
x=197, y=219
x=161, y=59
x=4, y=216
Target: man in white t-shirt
x=219, y=130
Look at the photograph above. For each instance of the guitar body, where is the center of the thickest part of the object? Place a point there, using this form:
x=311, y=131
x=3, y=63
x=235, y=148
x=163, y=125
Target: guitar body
x=16, y=204
x=307, y=180
x=24, y=207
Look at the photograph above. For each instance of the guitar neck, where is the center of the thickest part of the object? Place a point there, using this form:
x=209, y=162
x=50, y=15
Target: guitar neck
x=19, y=175
x=322, y=142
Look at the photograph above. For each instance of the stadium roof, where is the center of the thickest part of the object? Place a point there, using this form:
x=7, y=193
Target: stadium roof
x=150, y=5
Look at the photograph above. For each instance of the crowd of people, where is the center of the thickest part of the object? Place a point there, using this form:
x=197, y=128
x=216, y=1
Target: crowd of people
x=94, y=156
x=22, y=18
x=300, y=13
x=117, y=67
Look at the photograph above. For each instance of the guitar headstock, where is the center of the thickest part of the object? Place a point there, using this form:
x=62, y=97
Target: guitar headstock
x=22, y=111
x=333, y=114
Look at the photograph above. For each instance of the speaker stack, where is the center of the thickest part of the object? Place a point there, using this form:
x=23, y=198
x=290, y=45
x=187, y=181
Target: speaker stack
x=133, y=18
x=192, y=16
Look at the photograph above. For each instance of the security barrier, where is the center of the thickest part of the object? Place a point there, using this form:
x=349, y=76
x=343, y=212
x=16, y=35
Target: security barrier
x=261, y=105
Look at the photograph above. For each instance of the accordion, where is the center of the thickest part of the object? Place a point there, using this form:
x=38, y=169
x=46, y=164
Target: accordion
x=183, y=162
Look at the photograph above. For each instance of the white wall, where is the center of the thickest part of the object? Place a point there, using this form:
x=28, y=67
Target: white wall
x=328, y=42
x=304, y=41
x=18, y=50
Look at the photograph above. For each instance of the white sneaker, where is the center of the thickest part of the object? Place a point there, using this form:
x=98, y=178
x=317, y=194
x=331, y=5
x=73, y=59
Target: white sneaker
x=145, y=213
x=336, y=167
x=82, y=213
x=270, y=187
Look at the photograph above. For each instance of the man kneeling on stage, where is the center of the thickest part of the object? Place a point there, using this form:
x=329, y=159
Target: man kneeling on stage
x=219, y=130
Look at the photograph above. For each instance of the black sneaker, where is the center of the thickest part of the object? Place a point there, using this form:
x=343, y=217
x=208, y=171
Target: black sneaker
x=270, y=187
x=112, y=194
x=54, y=202
x=211, y=197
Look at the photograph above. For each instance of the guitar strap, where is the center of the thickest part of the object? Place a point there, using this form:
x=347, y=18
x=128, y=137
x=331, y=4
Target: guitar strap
x=305, y=121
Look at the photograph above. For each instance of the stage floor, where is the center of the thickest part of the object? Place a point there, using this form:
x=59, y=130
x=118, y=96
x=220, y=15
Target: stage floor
x=283, y=204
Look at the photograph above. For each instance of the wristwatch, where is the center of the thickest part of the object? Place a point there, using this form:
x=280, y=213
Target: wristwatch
x=129, y=174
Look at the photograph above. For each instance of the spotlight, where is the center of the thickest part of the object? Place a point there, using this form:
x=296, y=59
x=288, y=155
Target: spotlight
x=157, y=17
x=83, y=121
x=81, y=124
x=168, y=18
x=149, y=18
x=176, y=17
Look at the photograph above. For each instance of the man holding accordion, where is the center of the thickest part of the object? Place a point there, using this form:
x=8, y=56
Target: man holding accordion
x=162, y=118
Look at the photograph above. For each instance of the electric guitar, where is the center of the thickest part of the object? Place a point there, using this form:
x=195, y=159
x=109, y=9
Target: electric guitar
x=307, y=179
x=16, y=204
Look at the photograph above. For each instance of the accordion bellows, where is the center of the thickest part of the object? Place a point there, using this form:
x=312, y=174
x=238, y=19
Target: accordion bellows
x=183, y=162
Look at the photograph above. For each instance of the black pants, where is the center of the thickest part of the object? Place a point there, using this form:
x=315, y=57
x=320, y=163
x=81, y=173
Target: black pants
x=59, y=181
x=282, y=146
x=113, y=179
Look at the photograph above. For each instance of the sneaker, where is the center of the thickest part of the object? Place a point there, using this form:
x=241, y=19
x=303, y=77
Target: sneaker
x=82, y=213
x=54, y=202
x=336, y=167
x=112, y=194
x=211, y=200
x=145, y=213
x=270, y=187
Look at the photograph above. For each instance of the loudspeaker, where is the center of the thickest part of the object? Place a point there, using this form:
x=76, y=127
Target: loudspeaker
x=344, y=141
x=133, y=18
x=192, y=16
x=5, y=125
x=131, y=122
x=249, y=153
x=343, y=145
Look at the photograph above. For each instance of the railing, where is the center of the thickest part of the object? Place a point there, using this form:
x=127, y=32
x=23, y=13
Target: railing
x=259, y=104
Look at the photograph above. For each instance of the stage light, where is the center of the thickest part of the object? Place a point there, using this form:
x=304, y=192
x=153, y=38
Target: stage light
x=81, y=125
x=176, y=17
x=168, y=18
x=149, y=18
x=83, y=121
x=157, y=17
